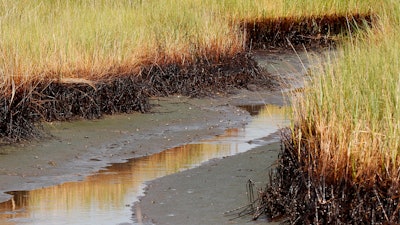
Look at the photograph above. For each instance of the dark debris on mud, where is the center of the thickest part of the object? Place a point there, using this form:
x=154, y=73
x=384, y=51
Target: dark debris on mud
x=299, y=196
x=57, y=101
x=202, y=77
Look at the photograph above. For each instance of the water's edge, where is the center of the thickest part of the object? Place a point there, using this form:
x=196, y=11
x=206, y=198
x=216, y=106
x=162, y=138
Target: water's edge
x=82, y=148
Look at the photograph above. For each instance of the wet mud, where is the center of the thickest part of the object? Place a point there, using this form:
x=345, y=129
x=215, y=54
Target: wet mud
x=207, y=194
x=105, y=197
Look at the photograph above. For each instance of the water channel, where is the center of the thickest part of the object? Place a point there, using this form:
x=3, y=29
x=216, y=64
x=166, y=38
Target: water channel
x=107, y=196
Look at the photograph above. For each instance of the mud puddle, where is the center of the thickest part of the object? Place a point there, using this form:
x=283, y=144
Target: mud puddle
x=106, y=197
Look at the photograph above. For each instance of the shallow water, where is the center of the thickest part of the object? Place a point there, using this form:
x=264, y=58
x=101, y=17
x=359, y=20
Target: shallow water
x=107, y=197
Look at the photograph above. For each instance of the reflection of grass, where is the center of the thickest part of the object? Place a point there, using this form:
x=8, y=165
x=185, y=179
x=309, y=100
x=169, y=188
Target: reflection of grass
x=109, y=189
x=80, y=38
x=350, y=118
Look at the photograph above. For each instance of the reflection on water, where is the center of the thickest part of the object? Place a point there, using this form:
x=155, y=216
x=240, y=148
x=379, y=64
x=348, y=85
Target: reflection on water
x=105, y=198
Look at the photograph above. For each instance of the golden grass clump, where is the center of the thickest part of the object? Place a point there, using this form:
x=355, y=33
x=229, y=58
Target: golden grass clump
x=349, y=120
x=342, y=151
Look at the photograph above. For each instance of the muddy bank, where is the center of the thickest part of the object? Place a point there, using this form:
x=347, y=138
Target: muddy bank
x=203, y=195
x=80, y=148
x=106, y=196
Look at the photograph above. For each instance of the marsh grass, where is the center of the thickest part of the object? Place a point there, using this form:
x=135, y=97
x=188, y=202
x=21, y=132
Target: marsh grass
x=350, y=117
x=95, y=38
x=345, y=125
x=87, y=40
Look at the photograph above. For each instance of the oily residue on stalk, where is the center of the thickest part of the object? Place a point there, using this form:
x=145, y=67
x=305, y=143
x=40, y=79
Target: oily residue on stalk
x=203, y=76
x=309, y=32
x=55, y=100
x=308, y=198
x=121, y=93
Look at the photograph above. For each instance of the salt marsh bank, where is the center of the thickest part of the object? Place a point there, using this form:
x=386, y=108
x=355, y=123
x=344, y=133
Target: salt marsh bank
x=96, y=171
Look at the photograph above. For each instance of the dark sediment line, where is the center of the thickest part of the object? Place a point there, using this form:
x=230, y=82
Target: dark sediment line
x=300, y=196
x=57, y=101
x=202, y=77
x=50, y=101
x=309, y=32
x=66, y=102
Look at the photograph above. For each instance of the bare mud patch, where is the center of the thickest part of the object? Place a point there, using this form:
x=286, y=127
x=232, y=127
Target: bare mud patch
x=204, y=195
x=80, y=148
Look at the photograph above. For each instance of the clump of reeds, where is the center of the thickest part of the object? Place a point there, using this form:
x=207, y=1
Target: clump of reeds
x=350, y=115
x=342, y=153
x=297, y=194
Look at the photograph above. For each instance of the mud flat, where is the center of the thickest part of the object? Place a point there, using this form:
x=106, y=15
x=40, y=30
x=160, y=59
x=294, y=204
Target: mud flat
x=205, y=194
x=80, y=148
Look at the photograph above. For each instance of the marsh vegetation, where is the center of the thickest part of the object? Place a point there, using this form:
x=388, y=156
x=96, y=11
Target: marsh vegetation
x=62, y=60
x=83, y=58
x=91, y=39
x=344, y=140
